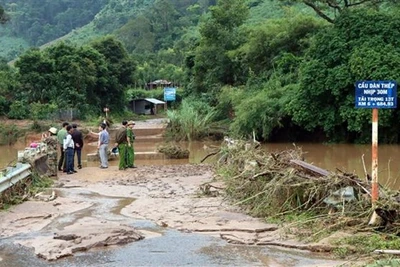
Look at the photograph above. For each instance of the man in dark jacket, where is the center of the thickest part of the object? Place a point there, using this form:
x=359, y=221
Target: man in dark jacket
x=78, y=140
x=122, y=143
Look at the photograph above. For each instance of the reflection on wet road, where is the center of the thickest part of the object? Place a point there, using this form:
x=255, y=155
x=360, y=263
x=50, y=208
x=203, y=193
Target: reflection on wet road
x=161, y=247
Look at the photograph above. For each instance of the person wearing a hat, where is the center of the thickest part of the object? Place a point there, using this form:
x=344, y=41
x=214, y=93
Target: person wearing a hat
x=50, y=132
x=50, y=139
x=130, y=158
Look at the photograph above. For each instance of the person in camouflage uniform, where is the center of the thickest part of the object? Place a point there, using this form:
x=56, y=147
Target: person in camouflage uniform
x=130, y=152
x=50, y=140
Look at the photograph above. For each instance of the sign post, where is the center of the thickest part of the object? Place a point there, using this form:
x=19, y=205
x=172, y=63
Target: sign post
x=106, y=110
x=169, y=94
x=375, y=95
x=375, y=184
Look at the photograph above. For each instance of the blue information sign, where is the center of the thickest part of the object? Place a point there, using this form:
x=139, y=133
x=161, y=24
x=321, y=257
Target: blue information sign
x=376, y=94
x=169, y=94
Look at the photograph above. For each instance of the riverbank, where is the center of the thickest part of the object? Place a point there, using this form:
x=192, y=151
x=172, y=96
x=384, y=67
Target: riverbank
x=169, y=196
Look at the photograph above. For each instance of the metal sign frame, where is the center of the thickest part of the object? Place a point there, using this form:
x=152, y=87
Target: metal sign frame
x=375, y=95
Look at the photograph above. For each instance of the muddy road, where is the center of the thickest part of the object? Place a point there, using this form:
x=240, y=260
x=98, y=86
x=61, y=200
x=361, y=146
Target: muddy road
x=149, y=216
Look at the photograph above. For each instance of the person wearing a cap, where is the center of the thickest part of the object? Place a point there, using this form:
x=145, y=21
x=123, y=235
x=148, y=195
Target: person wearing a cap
x=50, y=139
x=50, y=132
x=130, y=157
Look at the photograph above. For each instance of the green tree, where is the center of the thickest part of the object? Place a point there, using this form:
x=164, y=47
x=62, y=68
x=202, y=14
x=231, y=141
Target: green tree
x=261, y=110
x=219, y=35
x=137, y=35
x=8, y=87
x=74, y=74
x=331, y=9
x=36, y=74
x=278, y=44
x=75, y=77
x=360, y=46
x=112, y=84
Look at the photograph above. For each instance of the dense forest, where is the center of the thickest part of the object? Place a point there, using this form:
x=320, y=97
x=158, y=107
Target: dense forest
x=283, y=70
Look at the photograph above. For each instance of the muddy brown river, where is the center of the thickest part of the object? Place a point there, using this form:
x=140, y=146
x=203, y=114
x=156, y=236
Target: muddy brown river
x=346, y=157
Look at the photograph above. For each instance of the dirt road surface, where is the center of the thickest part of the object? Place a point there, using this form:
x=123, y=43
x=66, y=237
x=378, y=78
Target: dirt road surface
x=148, y=216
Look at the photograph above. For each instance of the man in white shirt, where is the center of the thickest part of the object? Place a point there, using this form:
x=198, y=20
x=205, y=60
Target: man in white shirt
x=69, y=146
x=102, y=145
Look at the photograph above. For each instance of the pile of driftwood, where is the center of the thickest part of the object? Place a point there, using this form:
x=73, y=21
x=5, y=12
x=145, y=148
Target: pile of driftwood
x=274, y=184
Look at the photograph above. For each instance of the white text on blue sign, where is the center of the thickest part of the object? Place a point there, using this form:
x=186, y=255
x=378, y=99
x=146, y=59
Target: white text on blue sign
x=376, y=94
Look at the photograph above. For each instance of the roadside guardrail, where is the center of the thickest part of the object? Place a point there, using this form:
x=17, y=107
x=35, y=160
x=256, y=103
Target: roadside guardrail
x=12, y=175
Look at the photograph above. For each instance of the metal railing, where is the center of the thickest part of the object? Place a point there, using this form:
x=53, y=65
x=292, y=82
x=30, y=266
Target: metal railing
x=11, y=175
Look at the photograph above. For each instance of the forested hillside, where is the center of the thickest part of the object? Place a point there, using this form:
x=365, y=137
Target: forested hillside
x=35, y=23
x=281, y=70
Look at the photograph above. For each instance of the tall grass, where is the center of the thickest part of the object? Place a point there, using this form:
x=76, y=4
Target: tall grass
x=192, y=121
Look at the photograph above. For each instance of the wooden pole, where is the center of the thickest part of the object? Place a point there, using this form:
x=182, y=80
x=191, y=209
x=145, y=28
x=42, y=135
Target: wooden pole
x=375, y=185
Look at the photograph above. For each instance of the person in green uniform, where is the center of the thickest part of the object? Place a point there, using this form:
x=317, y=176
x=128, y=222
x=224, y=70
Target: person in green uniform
x=122, y=143
x=61, y=135
x=130, y=150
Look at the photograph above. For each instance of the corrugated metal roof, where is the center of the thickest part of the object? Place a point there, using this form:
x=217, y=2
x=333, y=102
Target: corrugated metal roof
x=154, y=101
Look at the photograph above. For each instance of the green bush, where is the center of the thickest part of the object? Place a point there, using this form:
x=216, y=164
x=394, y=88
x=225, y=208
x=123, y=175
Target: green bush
x=40, y=111
x=4, y=105
x=18, y=110
x=191, y=121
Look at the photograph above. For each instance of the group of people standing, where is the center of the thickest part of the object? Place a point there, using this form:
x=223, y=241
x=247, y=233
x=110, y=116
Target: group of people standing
x=124, y=140
x=70, y=140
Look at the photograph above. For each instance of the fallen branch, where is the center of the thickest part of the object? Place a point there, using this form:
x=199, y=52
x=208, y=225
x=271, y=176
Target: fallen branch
x=209, y=155
x=367, y=177
x=387, y=251
x=263, y=173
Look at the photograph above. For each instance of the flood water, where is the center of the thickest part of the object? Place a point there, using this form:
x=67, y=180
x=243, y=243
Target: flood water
x=346, y=157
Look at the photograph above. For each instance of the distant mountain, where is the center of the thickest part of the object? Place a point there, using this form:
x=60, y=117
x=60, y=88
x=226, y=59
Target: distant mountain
x=33, y=23
x=143, y=25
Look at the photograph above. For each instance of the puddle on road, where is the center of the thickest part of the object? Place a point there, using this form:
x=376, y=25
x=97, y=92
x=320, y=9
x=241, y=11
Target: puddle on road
x=173, y=249
x=270, y=256
x=122, y=203
x=104, y=208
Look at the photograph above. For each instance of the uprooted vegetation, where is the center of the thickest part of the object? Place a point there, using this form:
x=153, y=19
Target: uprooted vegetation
x=309, y=202
x=23, y=190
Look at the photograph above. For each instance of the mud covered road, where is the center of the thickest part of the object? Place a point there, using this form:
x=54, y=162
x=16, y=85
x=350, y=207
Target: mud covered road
x=149, y=216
